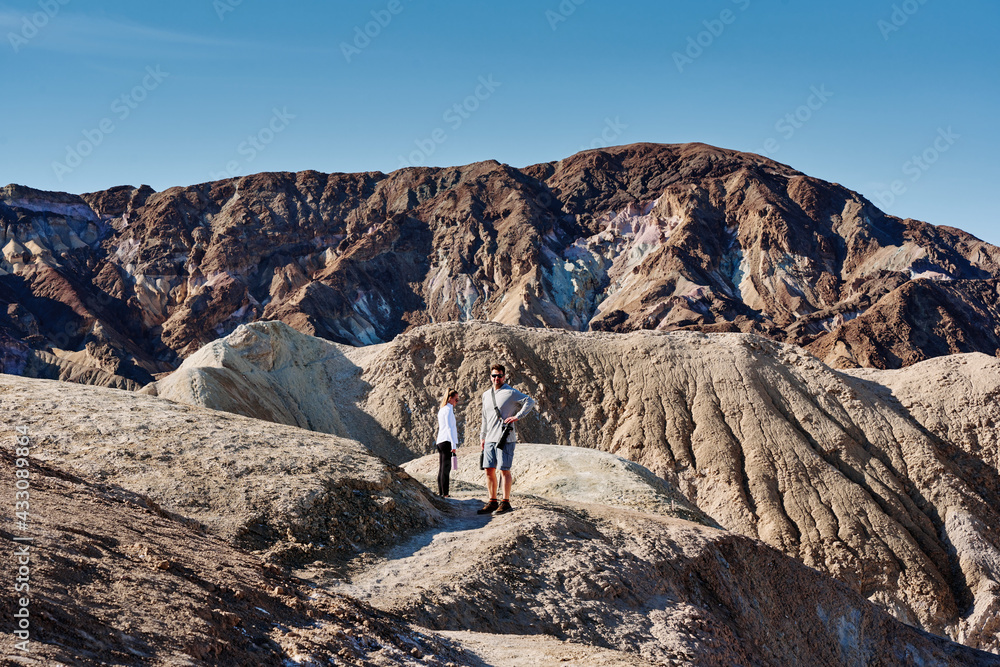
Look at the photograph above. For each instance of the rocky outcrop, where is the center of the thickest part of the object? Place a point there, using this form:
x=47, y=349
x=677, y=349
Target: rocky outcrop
x=77, y=367
x=636, y=237
x=115, y=579
x=571, y=474
x=665, y=590
x=123, y=576
x=260, y=485
x=270, y=371
x=956, y=399
x=760, y=436
x=920, y=319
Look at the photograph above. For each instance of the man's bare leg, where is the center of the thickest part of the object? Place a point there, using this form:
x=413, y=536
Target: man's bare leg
x=491, y=482
x=508, y=480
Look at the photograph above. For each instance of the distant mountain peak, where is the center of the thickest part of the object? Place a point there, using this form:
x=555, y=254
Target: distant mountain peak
x=643, y=236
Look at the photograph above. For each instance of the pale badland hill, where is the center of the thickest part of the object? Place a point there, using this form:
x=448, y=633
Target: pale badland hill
x=118, y=286
x=760, y=436
x=147, y=554
x=957, y=399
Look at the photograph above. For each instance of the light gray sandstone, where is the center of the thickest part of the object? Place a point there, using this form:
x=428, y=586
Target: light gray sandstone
x=298, y=494
x=270, y=371
x=763, y=438
x=956, y=398
x=124, y=573
x=571, y=474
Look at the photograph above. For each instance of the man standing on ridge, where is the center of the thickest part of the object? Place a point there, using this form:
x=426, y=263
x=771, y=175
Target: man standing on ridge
x=502, y=406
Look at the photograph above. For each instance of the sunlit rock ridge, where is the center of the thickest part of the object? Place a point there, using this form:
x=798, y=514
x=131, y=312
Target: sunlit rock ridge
x=117, y=286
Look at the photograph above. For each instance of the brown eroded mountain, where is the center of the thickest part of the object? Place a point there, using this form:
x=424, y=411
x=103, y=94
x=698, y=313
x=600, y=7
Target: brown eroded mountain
x=122, y=284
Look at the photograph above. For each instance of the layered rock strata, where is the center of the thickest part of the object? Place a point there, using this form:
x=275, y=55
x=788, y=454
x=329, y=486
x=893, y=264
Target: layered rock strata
x=636, y=237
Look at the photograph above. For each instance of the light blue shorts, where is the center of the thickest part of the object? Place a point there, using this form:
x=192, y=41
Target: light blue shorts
x=490, y=457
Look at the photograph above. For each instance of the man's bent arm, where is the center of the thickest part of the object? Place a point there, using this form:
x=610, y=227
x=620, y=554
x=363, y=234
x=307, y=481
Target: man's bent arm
x=526, y=405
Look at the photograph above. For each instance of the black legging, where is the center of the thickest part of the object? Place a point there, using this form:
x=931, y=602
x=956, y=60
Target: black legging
x=444, y=467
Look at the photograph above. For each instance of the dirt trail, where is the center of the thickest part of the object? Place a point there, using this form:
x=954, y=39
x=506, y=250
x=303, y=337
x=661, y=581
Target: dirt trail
x=607, y=586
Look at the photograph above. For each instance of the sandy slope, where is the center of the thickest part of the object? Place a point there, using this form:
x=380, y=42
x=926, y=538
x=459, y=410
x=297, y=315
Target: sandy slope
x=667, y=590
x=115, y=580
x=259, y=484
x=574, y=474
x=159, y=576
x=761, y=437
x=956, y=399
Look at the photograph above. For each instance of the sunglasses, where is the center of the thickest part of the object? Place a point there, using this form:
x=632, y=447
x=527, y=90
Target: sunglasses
x=496, y=375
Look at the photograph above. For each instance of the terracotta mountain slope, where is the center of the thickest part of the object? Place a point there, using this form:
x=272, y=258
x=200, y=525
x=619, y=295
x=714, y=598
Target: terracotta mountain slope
x=760, y=436
x=130, y=281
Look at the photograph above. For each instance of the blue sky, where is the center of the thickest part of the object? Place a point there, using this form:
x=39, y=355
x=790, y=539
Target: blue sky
x=897, y=99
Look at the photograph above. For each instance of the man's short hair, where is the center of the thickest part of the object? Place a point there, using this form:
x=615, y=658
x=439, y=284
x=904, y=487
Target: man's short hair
x=498, y=367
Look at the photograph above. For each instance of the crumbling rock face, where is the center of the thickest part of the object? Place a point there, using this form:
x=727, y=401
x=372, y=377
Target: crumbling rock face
x=762, y=437
x=957, y=399
x=635, y=237
x=920, y=319
x=114, y=579
x=270, y=371
x=296, y=494
x=119, y=576
x=671, y=591
x=573, y=474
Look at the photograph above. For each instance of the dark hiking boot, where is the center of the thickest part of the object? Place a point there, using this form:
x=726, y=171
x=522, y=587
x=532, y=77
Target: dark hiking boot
x=489, y=507
x=504, y=507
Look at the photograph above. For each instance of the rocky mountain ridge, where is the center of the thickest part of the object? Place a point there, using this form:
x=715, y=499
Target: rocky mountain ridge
x=129, y=281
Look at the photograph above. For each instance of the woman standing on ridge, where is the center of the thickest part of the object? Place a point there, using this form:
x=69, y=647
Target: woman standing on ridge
x=447, y=440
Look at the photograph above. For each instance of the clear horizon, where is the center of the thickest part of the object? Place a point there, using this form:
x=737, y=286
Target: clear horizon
x=893, y=99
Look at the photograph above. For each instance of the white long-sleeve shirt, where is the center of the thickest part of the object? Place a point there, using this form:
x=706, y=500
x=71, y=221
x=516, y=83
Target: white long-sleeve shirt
x=447, y=428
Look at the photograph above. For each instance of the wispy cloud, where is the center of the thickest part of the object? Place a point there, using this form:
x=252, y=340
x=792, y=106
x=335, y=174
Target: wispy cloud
x=79, y=34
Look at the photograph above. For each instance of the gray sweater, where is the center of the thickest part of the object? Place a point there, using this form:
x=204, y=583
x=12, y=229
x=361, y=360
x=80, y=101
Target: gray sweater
x=512, y=403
